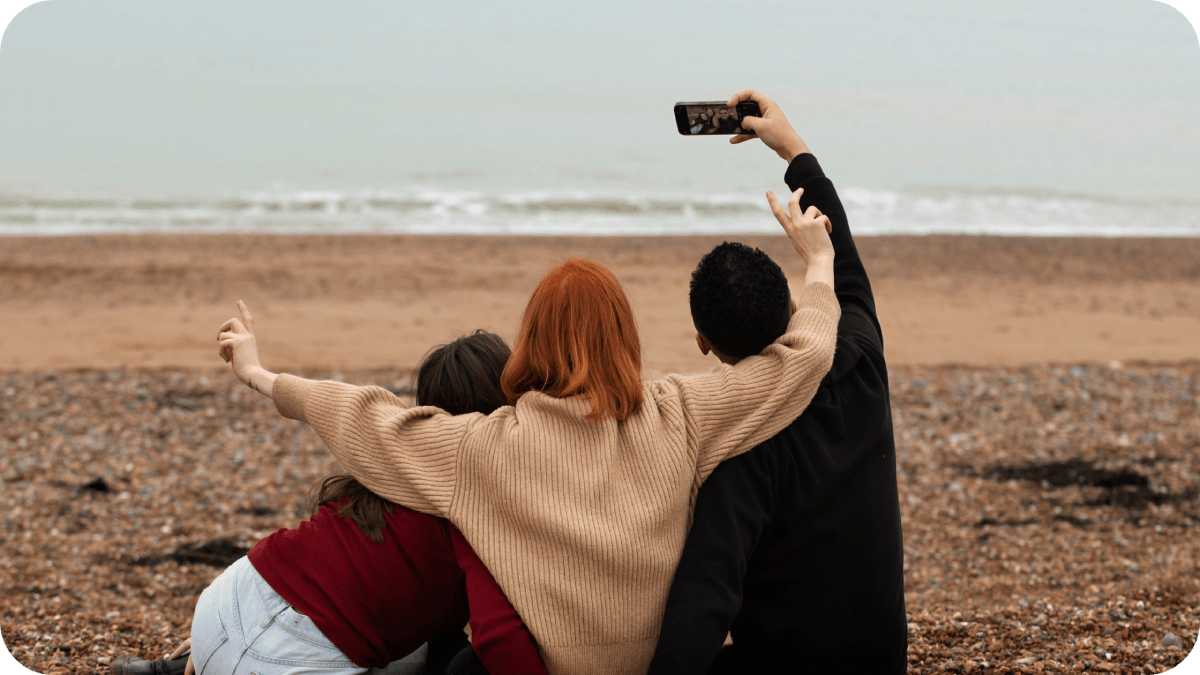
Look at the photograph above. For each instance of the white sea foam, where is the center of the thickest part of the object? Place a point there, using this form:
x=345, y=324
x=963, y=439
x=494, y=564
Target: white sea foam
x=872, y=211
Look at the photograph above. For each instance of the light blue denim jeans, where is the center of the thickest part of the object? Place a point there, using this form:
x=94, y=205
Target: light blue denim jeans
x=243, y=627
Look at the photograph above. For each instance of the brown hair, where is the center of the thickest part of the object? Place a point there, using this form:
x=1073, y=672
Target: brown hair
x=578, y=337
x=462, y=376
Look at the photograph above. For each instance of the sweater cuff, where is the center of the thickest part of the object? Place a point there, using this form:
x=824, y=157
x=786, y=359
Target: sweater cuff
x=819, y=296
x=804, y=167
x=291, y=396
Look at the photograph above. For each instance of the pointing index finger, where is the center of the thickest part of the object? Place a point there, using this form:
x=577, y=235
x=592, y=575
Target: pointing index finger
x=773, y=202
x=777, y=210
x=246, y=318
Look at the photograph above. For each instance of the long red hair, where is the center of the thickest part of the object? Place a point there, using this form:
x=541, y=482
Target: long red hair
x=578, y=337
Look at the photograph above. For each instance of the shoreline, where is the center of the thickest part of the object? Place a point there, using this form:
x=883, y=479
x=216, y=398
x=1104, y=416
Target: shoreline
x=894, y=210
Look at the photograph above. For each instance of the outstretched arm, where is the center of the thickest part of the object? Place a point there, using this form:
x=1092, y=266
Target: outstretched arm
x=406, y=455
x=804, y=173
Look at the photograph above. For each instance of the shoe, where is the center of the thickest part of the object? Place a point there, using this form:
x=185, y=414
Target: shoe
x=131, y=665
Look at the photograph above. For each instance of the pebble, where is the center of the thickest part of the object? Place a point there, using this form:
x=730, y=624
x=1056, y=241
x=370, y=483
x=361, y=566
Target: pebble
x=1028, y=562
x=1172, y=640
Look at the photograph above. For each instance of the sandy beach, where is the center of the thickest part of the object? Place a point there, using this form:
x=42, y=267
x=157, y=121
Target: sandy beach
x=366, y=301
x=1046, y=396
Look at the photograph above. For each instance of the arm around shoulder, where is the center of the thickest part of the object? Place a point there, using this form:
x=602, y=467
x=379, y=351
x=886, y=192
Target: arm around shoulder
x=734, y=408
x=406, y=455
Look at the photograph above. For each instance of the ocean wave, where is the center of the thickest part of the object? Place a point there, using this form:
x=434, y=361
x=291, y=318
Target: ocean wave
x=872, y=211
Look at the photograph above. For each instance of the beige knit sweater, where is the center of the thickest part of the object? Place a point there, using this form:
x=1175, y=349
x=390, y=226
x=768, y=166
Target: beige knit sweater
x=581, y=522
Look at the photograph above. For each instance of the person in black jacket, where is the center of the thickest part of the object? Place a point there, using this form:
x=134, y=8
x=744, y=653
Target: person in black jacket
x=796, y=547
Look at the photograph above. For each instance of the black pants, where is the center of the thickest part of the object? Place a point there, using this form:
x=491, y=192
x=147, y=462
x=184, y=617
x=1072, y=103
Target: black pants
x=442, y=650
x=466, y=663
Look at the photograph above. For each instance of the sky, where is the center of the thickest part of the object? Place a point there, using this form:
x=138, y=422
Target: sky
x=1096, y=97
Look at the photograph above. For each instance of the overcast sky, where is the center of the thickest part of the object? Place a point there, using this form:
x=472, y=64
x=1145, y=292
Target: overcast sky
x=1092, y=96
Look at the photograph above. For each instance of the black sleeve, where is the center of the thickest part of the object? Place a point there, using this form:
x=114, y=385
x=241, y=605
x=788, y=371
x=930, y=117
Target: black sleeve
x=850, y=277
x=731, y=512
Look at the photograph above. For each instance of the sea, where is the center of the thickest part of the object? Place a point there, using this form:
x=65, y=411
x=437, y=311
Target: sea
x=598, y=212
x=1048, y=118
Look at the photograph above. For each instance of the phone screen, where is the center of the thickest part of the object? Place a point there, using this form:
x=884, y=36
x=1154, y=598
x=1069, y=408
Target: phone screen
x=700, y=119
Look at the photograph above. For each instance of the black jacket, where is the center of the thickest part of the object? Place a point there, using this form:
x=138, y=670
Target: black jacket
x=796, y=545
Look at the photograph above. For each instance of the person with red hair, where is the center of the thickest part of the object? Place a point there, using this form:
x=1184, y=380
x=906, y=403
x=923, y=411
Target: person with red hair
x=579, y=339
x=578, y=495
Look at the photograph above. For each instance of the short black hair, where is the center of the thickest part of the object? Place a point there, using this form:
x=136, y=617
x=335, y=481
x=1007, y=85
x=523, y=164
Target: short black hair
x=740, y=300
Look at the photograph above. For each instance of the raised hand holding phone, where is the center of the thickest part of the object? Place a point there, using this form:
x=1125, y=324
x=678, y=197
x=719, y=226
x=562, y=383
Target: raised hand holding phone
x=772, y=126
x=707, y=118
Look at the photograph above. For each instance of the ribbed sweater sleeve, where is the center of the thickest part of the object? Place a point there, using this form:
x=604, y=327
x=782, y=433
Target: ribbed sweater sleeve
x=407, y=455
x=734, y=408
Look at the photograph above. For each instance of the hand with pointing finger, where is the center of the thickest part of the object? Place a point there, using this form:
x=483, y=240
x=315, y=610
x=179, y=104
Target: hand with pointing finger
x=809, y=233
x=808, y=230
x=237, y=346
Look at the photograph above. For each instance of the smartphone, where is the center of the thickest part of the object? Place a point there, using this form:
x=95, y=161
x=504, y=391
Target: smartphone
x=707, y=118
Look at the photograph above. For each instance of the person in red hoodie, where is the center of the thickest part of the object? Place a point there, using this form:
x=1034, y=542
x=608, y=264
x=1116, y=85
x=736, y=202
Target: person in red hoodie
x=363, y=583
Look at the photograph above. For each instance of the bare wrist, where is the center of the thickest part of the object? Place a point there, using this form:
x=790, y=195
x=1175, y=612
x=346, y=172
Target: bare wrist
x=261, y=380
x=820, y=269
x=793, y=149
